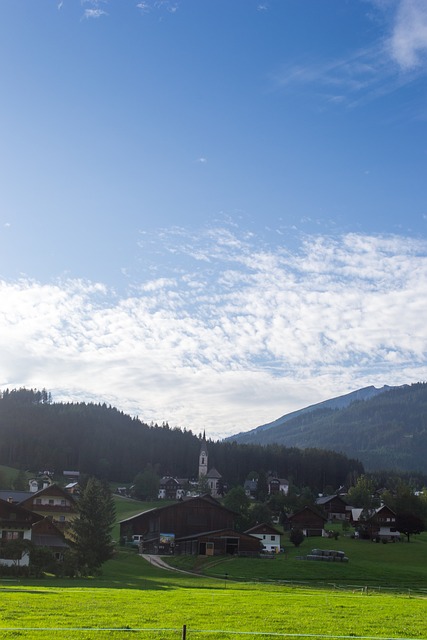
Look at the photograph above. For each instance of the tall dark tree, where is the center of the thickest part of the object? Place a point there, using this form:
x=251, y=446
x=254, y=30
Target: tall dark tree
x=146, y=484
x=92, y=528
x=409, y=524
x=236, y=500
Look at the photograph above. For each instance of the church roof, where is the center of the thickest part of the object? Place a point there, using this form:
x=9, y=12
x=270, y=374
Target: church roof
x=213, y=473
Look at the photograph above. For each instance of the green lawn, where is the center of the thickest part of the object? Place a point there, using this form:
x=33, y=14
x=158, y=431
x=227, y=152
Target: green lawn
x=133, y=594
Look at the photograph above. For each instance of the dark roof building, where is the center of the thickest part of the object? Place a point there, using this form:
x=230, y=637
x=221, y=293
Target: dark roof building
x=187, y=527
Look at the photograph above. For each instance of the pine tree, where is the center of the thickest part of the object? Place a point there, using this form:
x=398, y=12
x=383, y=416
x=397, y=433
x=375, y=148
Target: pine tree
x=92, y=528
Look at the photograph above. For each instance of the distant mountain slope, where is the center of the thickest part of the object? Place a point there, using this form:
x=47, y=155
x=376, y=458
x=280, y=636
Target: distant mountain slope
x=384, y=428
x=340, y=402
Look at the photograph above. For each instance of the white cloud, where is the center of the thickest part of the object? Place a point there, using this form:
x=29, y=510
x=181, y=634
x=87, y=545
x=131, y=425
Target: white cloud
x=94, y=13
x=409, y=39
x=249, y=333
x=149, y=5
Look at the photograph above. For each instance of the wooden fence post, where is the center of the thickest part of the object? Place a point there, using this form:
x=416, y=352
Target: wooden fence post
x=184, y=632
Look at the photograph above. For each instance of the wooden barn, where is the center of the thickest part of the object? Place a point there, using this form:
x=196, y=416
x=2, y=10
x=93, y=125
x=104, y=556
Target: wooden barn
x=335, y=507
x=310, y=521
x=188, y=526
x=222, y=542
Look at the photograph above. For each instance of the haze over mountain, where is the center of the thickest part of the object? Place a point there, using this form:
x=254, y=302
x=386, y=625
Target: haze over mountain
x=384, y=428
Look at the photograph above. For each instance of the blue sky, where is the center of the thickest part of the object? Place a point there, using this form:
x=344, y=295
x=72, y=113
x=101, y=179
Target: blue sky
x=212, y=212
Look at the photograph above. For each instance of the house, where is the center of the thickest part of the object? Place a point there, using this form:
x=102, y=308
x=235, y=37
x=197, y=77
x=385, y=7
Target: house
x=15, y=525
x=309, y=520
x=71, y=476
x=251, y=487
x=335, y=507
x=52, y=502
x=171, y=488
x=268, y=535
x=277, y=485
x=186, y=527
x=73, y=488
x=375, y=524
x=46, y=534
x=40, y=482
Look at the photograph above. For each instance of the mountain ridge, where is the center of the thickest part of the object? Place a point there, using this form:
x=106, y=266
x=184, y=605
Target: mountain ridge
x=337, y=402
x=384, y=428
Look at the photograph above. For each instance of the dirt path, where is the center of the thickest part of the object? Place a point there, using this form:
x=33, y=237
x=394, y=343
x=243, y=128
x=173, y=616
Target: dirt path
x=157, y=561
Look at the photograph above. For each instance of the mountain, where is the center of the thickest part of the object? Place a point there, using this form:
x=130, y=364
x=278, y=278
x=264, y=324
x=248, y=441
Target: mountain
x=384, y=428
x=334, y=403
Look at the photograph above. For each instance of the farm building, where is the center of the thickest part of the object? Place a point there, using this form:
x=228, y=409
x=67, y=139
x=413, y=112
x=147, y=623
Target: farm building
x=188, y=526
x=309, y=520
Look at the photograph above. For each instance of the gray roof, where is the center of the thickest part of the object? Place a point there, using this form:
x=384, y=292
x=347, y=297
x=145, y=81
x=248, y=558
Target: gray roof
x=325, y=499
x=17, y=496
x=213, y=473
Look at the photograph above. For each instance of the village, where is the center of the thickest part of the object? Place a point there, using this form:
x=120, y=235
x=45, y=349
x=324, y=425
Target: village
x=190, y=523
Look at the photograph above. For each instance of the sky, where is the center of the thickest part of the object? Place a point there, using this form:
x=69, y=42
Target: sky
x=212, y=212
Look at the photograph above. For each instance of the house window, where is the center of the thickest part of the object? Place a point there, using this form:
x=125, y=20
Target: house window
x=51, y=501
x=63, y=503
x=12, y=535
x=272, y=538
x=38, y=500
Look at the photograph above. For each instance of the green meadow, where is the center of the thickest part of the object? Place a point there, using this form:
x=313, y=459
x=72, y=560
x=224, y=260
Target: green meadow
x=383, y=567
x=230, y=598
x=133, y=597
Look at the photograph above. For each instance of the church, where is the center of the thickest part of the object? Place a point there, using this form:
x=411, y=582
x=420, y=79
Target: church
x=212, y=476
x=209, y=481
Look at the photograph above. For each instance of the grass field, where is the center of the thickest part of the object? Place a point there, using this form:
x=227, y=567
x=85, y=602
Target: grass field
x=132, y=594
x=394, y=565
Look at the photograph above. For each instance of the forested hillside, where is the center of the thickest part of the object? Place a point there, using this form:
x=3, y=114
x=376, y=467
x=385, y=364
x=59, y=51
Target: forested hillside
x=38, y=434
x=388, y=431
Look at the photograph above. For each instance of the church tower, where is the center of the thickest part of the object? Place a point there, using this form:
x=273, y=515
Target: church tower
x=203, y=458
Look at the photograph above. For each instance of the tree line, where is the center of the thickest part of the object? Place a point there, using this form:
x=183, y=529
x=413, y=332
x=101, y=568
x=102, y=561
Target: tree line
x=99, y=440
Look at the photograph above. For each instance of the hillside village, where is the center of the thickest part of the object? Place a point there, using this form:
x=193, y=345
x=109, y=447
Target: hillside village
x=192, y=521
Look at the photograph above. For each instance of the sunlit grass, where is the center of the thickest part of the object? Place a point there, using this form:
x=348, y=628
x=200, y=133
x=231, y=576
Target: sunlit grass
x=133, y=594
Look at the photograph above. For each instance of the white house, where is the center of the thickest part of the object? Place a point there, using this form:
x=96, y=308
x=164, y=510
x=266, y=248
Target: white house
x=268, y=535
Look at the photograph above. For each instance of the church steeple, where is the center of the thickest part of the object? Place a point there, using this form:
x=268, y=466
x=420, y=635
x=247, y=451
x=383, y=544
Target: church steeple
x=203, y=458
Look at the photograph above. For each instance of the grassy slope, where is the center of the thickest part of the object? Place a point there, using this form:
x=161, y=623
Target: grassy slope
x=8, y=475
x=398, y=565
